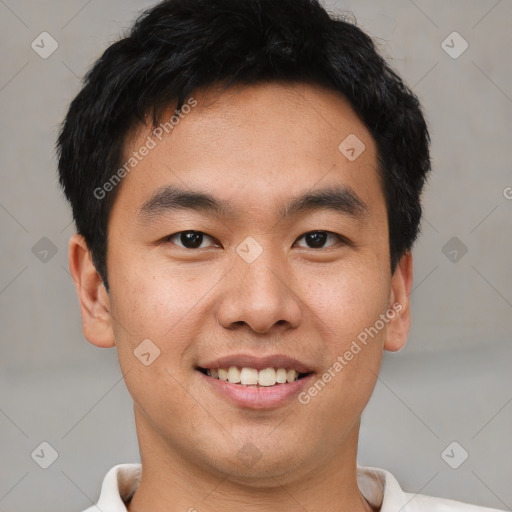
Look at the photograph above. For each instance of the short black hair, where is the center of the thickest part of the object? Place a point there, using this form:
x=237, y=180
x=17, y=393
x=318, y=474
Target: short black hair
x=180, y=46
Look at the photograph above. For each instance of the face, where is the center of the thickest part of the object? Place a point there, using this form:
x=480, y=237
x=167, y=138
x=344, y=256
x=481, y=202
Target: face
x=246, y=241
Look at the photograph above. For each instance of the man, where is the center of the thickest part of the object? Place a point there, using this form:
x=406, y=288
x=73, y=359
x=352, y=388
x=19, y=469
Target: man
x=245, y=177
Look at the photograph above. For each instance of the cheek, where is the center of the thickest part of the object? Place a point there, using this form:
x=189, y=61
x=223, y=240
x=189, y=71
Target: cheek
x=165, y=304
x=154, y=296
x=348, y=300
x=153, y=313
x=347, y=305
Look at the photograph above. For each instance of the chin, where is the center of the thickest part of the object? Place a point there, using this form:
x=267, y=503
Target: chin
x=257, y=465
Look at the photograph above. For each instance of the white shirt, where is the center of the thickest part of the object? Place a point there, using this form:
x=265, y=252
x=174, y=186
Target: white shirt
x=378, y=486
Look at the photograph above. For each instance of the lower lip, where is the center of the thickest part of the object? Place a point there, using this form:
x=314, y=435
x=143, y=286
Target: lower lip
x=261, y=397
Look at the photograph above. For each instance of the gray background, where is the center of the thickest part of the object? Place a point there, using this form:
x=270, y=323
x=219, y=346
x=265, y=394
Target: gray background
x=451, y=383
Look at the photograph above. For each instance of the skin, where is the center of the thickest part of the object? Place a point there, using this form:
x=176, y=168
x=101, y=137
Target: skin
x=256, y=146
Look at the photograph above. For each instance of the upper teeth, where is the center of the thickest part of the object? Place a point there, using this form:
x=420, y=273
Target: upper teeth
x=251, y=376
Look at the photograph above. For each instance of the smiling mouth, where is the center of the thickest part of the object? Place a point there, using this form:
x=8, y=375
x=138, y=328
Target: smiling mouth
x=251, y=377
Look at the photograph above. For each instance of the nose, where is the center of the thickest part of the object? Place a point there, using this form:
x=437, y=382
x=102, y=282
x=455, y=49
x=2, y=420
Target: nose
x=258, y=295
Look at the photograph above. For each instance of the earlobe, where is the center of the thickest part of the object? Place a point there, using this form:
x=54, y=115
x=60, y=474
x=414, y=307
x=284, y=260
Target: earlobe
x=94, y=299
x=400, y=323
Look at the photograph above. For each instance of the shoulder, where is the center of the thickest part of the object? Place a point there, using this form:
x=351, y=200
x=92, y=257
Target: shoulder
x=118, y=486
x=383, y=492
x=421, y=502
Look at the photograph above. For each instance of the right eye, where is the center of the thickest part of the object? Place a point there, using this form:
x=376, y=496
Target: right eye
x=189, y=239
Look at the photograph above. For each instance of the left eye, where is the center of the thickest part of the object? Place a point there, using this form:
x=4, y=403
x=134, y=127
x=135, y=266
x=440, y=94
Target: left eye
x=317, y=239
x=189, y=239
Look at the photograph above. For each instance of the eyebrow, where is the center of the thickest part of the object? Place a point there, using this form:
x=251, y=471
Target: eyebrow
x=341, y=199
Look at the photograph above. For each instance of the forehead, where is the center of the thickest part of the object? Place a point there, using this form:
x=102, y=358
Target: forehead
x=252, y=146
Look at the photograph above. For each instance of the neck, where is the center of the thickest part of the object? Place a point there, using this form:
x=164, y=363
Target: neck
x=171, y=482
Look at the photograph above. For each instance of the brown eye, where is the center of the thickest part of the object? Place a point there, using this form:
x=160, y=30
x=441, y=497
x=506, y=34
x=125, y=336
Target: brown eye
x=189, y=239
x=317, y=239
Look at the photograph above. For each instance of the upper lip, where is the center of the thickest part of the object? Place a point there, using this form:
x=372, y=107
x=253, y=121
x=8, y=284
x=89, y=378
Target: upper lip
x=258, y=362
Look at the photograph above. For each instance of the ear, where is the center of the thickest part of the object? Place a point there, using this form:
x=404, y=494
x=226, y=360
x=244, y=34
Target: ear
x=93, y=297
x=401, y=286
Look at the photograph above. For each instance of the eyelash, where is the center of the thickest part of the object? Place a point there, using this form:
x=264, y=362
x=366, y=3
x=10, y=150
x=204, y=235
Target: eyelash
x=343, y=240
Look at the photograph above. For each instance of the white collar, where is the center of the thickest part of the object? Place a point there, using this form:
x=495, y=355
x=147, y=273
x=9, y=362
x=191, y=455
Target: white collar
x=378, y=486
